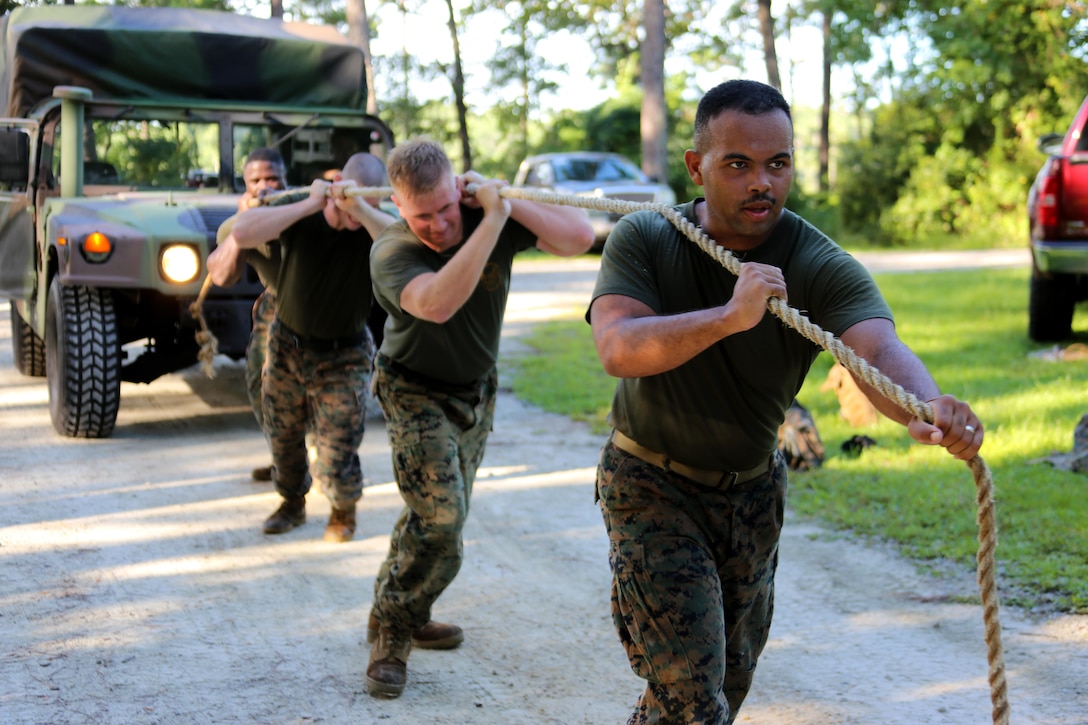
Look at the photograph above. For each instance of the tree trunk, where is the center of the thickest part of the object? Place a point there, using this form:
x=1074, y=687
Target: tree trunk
x=654, y=122
x=359, y=34
x=459, y=92
x=825, y=111
x=766, y=29
x=277, y=9
x=526, y=91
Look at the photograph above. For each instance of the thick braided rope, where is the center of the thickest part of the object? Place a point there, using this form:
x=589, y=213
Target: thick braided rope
x=209, y=343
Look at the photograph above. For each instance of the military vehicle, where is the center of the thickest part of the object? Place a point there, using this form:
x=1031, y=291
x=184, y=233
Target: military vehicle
x=121, y=149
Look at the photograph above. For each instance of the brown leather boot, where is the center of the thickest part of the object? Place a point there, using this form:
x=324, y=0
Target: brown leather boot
x=387, y=671
x=341, y=526
x=263, y=473
x=432, y=635
x=291, y=513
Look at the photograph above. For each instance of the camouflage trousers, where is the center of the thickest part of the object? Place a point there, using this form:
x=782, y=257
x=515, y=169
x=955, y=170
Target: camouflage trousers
x=264, y=311
x=438, y=433
x=324, y=391
x=692, y=583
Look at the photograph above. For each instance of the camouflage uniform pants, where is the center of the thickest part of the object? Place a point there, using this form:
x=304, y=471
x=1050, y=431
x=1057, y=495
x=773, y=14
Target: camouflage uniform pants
x=264, y=311
x=325, y=391
x=438, y=434
x=692, y=583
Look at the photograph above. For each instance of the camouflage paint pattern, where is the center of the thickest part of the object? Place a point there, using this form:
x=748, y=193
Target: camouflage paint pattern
x=692, y=583
x=324, y=392
x=264, y=311
x=438, y=435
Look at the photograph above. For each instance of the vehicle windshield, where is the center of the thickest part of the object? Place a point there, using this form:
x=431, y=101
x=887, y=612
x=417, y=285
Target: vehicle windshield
x=179, y=155
x=148, y=154
x=595, y=169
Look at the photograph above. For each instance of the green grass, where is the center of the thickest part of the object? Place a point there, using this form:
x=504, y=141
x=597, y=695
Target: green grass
x=969, y=329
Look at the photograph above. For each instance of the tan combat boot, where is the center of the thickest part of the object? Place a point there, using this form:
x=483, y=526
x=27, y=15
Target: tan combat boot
x=387, y=671
x=341, y=526
x=291, y=513
x=432, y=635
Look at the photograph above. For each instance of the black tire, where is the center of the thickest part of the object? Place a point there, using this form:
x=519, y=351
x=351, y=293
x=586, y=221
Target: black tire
x=1050, y=307
x=28, y=348
x=83, y=361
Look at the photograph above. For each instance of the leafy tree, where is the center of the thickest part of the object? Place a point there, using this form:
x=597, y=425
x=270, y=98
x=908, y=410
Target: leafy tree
x=988, y=85
x=401, y=109
x=457, y=79
x=766, y=31
x=614, y=31
x=359, y=34
x=395, y=76
x=518, y=63
x=654, y=130
x=847, y=29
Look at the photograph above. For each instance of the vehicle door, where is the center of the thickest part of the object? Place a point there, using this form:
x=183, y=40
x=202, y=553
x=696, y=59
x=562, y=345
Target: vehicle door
x=18, y=139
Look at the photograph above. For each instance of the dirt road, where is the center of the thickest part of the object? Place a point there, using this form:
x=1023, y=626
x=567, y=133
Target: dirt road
x=136, y=586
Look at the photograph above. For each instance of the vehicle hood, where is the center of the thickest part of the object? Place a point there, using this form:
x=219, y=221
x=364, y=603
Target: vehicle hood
x=177, y=216
x=607, y=188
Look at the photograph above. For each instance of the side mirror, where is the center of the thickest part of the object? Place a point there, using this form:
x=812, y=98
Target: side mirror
x=1050, y=143
x=14, y=157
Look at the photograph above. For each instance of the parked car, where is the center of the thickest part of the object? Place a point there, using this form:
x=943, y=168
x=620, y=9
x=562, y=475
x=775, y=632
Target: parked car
x=1058, y=217
x=593, y=173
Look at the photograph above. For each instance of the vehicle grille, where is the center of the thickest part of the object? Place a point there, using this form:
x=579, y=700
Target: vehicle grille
x=213, y=216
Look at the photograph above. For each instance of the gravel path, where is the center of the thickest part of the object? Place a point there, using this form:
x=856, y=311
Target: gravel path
x=136, y=586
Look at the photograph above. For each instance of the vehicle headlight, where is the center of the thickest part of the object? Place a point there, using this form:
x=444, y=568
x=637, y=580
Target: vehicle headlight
x=179, y=263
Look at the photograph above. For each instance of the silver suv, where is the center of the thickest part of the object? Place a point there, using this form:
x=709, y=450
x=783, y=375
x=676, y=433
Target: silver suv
x=593, y=173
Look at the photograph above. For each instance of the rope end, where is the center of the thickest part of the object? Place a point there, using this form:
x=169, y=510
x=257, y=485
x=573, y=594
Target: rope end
x=209, y=348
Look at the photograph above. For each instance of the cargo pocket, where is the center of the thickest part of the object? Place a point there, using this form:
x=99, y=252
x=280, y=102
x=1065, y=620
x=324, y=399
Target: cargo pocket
x=643, y=618
x=413, y=471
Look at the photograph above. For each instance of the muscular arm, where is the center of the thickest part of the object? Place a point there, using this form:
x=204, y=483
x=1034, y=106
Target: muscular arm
x=266, y=223
x=560, y=230
x=633, y=342
x=225, y=263
x=877, y=342
x=437, y=296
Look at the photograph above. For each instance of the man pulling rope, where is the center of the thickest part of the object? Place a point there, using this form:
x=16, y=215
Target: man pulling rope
x=690, y=488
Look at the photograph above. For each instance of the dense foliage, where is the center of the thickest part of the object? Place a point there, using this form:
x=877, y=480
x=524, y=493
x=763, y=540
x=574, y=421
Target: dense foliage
x=933, y=145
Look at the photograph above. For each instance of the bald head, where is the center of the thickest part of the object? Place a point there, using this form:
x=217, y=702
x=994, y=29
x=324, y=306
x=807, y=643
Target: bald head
x=365, y=169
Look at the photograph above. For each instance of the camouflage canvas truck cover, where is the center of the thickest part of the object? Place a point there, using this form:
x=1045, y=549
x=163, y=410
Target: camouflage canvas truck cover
x=121, y=152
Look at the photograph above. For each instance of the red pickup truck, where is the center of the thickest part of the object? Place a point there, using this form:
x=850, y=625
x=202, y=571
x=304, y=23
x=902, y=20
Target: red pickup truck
x=1058, y=216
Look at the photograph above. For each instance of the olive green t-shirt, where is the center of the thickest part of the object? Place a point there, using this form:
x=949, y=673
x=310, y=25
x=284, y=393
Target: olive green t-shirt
x=323, y=288
x=465, y=347
x=721, y=410
x=264, y=259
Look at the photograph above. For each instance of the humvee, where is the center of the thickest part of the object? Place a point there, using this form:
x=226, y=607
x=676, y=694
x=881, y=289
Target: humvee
x=121, y=149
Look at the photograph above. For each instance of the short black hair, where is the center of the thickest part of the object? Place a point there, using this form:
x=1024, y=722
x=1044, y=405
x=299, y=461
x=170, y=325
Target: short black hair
x=264, y=153
x=749, y=97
